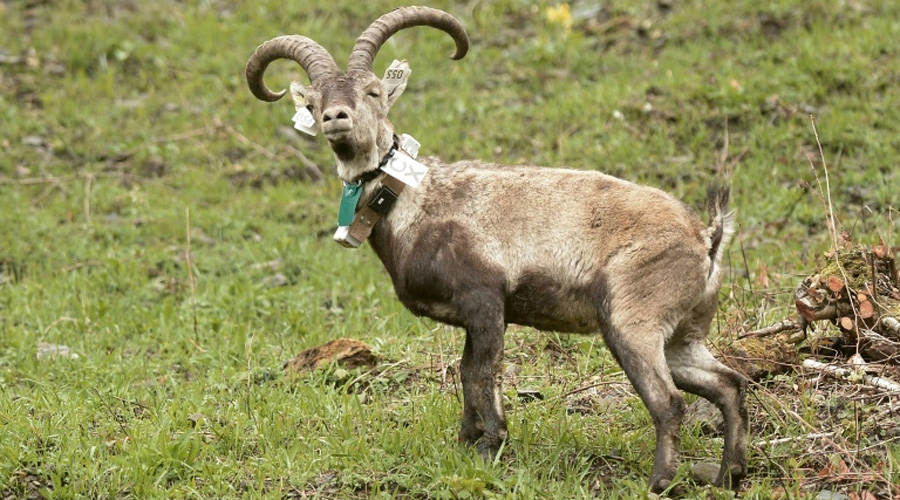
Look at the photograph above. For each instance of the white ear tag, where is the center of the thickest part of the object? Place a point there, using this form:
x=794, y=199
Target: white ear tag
x=396, y=76
x=303, y=119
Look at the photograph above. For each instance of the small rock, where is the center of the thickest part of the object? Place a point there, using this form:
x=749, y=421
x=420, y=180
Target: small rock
x=48, y=351
x=196, y=418
x=54, y=68
x=277, y=280
x=705, y=472
x=34, y=141
x=348, y=353
x=153, y=167
x=198, y=236
x=665, y=5
x=511, y=374
x=529, y=395
x=272, y=265
x=831, y=495
x=707, y=415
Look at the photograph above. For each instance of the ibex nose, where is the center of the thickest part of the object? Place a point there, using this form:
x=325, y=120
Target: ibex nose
x=336, y=113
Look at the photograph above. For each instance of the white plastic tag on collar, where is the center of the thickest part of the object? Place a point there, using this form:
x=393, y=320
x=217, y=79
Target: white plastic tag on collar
x=405, y=169
x=409, y=144
x=342, y=236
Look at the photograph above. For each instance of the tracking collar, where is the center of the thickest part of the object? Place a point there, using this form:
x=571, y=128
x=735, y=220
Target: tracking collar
x=353, y=232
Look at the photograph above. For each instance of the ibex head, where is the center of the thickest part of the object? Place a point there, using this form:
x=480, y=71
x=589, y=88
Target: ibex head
x=351, y=107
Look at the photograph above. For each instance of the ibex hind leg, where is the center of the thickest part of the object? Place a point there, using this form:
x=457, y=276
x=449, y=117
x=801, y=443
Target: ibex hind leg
x=638, y=347
x=695, y=370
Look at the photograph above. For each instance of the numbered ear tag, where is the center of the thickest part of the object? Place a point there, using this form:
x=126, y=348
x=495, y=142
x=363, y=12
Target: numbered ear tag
x=405, y=169
x=304, y=121
x=395, y=77
x=349, y=198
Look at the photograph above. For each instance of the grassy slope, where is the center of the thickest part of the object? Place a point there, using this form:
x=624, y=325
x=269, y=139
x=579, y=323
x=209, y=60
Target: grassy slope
x=139, y=111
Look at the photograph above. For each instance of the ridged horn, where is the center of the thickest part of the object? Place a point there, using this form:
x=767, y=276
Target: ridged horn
x=368, y=44
x=314, y=59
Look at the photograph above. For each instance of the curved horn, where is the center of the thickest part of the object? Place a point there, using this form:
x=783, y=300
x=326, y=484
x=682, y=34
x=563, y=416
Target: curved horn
x=314, y=59
x=384, y=27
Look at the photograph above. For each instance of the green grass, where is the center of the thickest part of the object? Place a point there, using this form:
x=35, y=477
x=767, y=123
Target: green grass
x=124, y=115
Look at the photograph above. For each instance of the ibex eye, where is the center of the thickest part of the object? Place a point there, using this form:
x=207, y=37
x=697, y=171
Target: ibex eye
x=374, y=93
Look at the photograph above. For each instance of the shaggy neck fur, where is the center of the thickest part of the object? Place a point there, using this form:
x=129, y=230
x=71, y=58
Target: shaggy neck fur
x=350, y=167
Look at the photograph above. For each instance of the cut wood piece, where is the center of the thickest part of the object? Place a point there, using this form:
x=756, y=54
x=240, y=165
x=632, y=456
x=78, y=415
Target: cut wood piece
x=835, y=284
x=846, y=323
x=866, y=310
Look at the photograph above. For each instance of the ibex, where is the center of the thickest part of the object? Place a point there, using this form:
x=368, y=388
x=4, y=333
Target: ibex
x=481, y=245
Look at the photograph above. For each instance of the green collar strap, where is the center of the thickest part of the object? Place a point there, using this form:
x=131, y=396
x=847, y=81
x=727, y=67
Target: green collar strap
x=349, y=199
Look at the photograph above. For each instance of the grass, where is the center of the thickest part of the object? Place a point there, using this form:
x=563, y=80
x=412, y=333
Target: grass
x=123, y=115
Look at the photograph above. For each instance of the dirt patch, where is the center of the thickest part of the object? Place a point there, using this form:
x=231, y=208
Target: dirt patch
x=27, y=484
x=348, y=353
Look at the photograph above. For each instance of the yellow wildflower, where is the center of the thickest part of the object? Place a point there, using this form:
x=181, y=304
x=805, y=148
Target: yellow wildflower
x=560, y=15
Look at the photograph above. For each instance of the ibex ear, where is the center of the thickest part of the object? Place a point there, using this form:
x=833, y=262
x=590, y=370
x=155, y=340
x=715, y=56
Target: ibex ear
x=298, y=94
x=394, y=81
x=303, y=119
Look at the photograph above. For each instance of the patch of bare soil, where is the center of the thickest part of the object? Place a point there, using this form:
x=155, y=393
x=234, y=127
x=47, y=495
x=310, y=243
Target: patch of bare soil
x=348, y=353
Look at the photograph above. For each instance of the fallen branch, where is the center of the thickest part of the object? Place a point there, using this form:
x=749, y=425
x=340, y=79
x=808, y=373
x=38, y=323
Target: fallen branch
x=79, y=265
x=51, y=179
x=880, y=382
x=811, y=436
x=782, y=326
x=592, y=386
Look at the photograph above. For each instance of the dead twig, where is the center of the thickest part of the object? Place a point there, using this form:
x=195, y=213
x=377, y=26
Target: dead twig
x=88, y=188
x=53, y=179
x=784, y=325
x=811, y=436
x=79, y=265
x=190, y=267
x=880, y=382
x=834, y=234
x=591, y=386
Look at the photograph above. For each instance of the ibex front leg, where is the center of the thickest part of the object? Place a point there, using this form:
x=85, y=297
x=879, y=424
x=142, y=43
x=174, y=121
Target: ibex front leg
x=481, y=370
